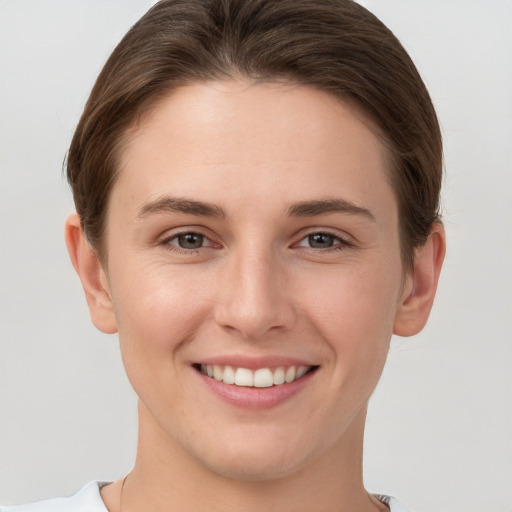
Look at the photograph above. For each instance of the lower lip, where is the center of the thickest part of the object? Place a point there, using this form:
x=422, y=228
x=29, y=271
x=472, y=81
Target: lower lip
x=256, y=398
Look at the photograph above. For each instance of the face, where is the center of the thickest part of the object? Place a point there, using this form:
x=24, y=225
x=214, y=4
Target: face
x=255, y=274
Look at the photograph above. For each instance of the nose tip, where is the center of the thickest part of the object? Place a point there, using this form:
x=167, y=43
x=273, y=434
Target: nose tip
x=252, y=322
x=253, y=300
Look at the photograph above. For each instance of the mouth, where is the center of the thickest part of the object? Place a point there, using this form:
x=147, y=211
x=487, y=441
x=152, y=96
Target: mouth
x=259, y=378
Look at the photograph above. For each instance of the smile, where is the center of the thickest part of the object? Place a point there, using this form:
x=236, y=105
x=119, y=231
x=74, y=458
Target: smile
x=260, y=378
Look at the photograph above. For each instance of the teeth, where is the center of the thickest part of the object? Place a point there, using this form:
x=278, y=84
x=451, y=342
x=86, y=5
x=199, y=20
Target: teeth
x=279, y=376
x=229, y=375
x=261, y=378
x=301, y=371
x=218, y=374
x=290, y=374
x=243, y=377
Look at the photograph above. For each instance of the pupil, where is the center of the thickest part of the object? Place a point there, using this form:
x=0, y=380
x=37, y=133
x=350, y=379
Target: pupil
x=190, y=241
x=320, y=240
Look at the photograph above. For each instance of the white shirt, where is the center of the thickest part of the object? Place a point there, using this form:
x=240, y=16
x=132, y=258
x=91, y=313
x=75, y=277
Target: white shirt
x=88, y=499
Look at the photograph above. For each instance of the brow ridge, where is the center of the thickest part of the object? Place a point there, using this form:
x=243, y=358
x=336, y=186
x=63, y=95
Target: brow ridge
x=299, y=209
x=327, y=206
x=181, y=205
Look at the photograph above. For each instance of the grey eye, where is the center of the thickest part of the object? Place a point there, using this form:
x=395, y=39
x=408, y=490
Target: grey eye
x=320, y=240
x=190, y=240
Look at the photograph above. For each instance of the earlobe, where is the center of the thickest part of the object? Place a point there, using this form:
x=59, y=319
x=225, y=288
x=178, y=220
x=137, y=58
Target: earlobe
x=93, y=278
x=418, y=295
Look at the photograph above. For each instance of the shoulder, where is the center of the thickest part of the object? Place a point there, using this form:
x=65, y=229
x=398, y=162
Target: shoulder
x=393, y=504
x=88, y=499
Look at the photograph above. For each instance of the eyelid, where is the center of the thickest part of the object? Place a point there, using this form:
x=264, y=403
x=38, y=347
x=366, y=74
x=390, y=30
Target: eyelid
x=343, y=240
x=172, y=235
x=205, y=238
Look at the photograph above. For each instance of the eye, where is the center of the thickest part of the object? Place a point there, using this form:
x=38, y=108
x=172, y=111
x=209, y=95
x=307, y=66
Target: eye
x=188, y=241
x=322, y=240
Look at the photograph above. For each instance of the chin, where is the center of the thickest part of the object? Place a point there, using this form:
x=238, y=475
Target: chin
x=252, y=468
x=255, y=458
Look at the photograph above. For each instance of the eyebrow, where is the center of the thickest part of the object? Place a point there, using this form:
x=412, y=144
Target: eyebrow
x=299, y=209
x=181, y=205
x=326, y=206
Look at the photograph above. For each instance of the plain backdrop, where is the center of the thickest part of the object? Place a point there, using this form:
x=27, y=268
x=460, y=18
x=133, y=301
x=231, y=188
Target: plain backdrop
x=439, y=433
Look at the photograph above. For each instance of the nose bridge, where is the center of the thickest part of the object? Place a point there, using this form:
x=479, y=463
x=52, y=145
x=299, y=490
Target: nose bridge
x=253, y=298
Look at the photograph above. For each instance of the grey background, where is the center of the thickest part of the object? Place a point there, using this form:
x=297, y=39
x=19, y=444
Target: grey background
x=439, y=431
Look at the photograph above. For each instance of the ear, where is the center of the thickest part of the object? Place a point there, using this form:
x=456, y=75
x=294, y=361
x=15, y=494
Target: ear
x=421, y=285
x=92, y=275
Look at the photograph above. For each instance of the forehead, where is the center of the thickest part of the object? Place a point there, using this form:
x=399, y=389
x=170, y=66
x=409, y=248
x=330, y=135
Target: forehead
x=253, y=107
x=287, y=140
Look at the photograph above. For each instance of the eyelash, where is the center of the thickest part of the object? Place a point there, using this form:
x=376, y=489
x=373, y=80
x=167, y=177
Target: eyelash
x=167, y=242
x=338, y=242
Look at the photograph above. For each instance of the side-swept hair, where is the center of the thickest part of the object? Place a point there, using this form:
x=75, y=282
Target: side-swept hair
x=333, y=45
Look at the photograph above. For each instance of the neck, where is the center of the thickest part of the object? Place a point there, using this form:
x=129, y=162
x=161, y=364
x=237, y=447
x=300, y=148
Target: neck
x=169, y=476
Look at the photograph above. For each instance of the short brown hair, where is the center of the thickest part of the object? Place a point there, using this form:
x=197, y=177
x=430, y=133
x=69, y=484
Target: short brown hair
x=334, y=45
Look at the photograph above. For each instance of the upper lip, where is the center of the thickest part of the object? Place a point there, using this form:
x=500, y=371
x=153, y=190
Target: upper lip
x=254, y=363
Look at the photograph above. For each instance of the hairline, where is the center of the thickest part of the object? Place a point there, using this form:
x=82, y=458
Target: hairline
x=148, y=106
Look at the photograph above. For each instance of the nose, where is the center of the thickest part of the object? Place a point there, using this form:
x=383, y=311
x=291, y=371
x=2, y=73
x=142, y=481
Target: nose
x=253, y=295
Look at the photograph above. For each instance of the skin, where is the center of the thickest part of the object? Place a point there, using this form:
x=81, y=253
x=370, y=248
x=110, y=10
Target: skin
x=256, y=289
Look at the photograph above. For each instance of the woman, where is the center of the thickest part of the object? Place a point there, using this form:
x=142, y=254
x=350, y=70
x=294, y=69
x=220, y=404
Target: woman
x=257, y=189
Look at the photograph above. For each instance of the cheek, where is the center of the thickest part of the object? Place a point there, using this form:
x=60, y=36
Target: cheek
x=354, y=309
x=158, y=309
x=157, y=313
